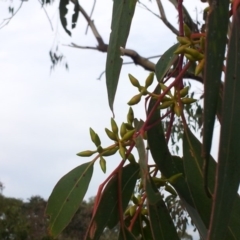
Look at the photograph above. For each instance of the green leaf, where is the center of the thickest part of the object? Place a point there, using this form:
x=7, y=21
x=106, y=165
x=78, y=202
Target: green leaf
x=170, y=165
x=124, y=234
x=195, y=181
x=122, y=15
x=107, y=213
x=75, y=15
x=228, y=170
x=67, y=196
x=165, y=62
x=63, y=12
x=161, y=223
x=214, y=57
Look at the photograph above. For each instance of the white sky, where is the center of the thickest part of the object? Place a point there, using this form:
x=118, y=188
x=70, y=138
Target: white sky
x=45, y=118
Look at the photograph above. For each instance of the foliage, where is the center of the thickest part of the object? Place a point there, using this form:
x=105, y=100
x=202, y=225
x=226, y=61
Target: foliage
x=23, y=220
x=212, y=203
x=130, y=200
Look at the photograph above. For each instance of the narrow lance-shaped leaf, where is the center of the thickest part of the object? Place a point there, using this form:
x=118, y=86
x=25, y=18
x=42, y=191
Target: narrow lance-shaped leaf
x=165, y=62
x=195, y=180
x=169, y=166
x=214, y=57
x=161, y=223
x=122, y=15
x=67, y=196
x=228, y=171
x=63, y=12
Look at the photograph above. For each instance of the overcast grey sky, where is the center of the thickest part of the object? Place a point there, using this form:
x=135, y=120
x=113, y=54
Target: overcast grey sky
x=45, y=118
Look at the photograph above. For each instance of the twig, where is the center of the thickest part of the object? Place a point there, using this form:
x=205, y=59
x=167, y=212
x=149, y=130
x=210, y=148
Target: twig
x=47, y=15
x=164, y=18
x=7, y=20
x=90, y=15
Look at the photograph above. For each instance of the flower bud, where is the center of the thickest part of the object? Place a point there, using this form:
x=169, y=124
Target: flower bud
x=134, y=81
x=135, y=100
x=86, y=153
x=102, y=163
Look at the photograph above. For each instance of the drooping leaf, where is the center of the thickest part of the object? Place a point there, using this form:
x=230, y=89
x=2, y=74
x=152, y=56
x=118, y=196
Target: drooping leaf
x=228, y=170
x=107, y=214
x=63, y=12
x=195, y=181
x=122, y=15
x=162, y=226
x=214, y=57
x=67, y=196
x=168, y=165
x=75, y=15
x=165, y=62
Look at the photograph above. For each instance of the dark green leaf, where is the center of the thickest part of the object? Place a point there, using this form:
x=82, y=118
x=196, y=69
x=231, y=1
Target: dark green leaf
x=67, y=196
x=161, y=223
x=75, y=15
x=214, y=57
x=124, y=234
x=165, y=62
x=63, y=12
x=107, y=213
x=194, y=177
x=122, y=15
x=228, y=170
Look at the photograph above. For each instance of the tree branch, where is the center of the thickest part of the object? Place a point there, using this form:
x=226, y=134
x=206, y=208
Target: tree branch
x=137, y=59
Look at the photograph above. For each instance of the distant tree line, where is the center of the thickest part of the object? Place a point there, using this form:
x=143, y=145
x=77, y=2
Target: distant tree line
x=26, y=220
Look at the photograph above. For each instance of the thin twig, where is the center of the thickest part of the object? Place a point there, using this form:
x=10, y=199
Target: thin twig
x=164, y=18
x=90, y=15
x=47, y=15
x=7, y=20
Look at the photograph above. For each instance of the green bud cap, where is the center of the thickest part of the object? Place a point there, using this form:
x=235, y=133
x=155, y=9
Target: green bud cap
x=109, y=152
x=128, y=135
x=86, y=153
x=102, y=163
x=188, y=100
x=135, y=100
x=122, y=152
x=187, y=31
x=166, y=105
x=177, y=109
x=132, y=210
x=114, y=126
x=135, y=200
x=149, y=80
x=130, y=116
x=184, y=91
x=199, y=67
x=111, y=135
x=95, y=138
x=183, y=40
x=134, y=81
x=92, y=134
x=123, y=130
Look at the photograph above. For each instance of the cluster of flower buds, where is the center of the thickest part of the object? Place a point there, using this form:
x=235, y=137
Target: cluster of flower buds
x=142, y=89
x=172, y=100
x=192, y=48
x=122, y=138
